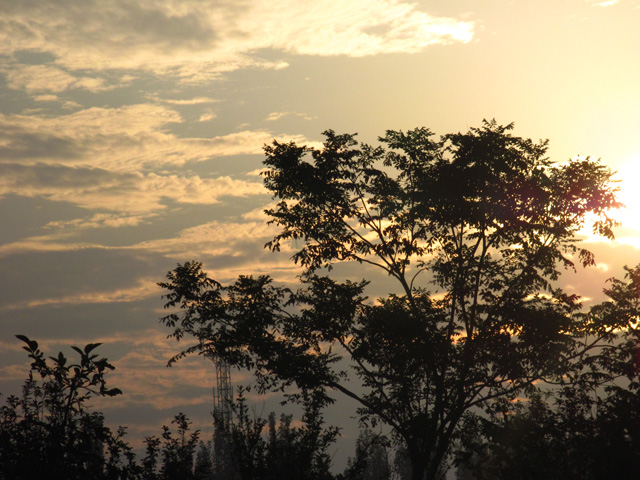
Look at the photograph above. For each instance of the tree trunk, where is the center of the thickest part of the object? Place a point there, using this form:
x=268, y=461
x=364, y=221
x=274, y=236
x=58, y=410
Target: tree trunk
x=423, y=467
x=418, y=463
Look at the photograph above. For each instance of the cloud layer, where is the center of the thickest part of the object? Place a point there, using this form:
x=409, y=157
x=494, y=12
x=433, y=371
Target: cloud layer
x=199, y=39
x=119, y=160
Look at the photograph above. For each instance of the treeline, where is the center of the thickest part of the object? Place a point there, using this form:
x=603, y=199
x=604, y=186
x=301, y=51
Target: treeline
x=48, y=432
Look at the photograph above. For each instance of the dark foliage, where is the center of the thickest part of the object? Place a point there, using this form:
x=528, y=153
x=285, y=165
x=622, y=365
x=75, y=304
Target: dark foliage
x=48, y=432
x=371, y=461
x=578, y=430
x=285, y=451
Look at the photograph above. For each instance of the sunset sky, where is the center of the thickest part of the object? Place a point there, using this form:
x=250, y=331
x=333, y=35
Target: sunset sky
x=131, y=135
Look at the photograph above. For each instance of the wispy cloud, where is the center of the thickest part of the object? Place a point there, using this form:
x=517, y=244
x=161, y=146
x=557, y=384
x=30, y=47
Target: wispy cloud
x=120, y=160
x=185, y=101
x=145, y=288
x=120, y=139
x=353, y=28
x=599, y=3
x=207, y=116
x=213, y=239
x=273, y=116
x=101, y=220
x=47, y=78
x=132, y=195
x=46, y=98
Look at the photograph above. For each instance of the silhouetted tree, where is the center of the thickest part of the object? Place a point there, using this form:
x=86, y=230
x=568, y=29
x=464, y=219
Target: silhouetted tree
x=561, y=436
x=284, y=451
x=203, y=469
x=475, y=228
x=171, y=456
x=371, y=461
x=48, y=431
x=574, y=431
x=177, y=452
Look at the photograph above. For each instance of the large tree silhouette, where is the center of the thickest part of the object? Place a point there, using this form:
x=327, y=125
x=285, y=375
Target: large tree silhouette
x=474, y=228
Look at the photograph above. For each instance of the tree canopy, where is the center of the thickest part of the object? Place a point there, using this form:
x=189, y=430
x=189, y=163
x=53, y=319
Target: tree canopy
x=474, y=228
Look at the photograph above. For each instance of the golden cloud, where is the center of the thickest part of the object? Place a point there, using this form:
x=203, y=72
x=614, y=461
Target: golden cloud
x=198, y=40
x=123, y=139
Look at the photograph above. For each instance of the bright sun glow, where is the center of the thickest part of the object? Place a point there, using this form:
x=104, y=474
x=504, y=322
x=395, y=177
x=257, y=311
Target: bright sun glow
x=629, y=176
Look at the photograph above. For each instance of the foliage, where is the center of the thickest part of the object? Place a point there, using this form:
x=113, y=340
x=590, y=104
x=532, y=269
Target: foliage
x=577, y=430
x=48, y=431
x=296, y=453
x=572, y=435
x=203, y=469
x=474, y=228
x=371, y=461
x=175, y=452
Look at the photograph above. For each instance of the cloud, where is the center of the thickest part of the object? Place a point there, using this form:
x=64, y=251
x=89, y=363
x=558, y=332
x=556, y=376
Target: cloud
x=598, y=3
x=101, y=220
x=46, y=78
x=184, y=101
x=273, y=116
x=206, y=117
x=46, y=98
x=145, y=288
x=199, y=39
x=134, y=196
x=39, y=78
x=122, y=167
x=212, y=238
x=85, y=275
x=128, y=139
x=355, y=28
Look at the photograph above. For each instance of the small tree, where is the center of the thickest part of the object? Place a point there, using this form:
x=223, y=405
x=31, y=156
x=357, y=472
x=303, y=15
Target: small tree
x=48, y=432
x=177, y=452
x=171, y=456
x=371, y=461
x=474, y=229
x=203, y=469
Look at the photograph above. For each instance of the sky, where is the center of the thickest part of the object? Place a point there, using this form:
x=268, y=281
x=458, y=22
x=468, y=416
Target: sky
x=131, y=137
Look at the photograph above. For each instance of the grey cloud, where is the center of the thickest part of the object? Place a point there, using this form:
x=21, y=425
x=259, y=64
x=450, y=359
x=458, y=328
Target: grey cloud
x=198, y=40
x=37, y=276
x=81, y=323
x=159, y=27
x=32, y=57
x=59, y=176
x=17, y=143
x=121, y=23
x=28, y=215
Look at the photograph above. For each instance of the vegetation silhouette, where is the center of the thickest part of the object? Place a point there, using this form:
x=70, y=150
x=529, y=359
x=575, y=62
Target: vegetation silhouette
x=475, y=229
x=477, y=360
x=49, y=432
x=575, y=430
